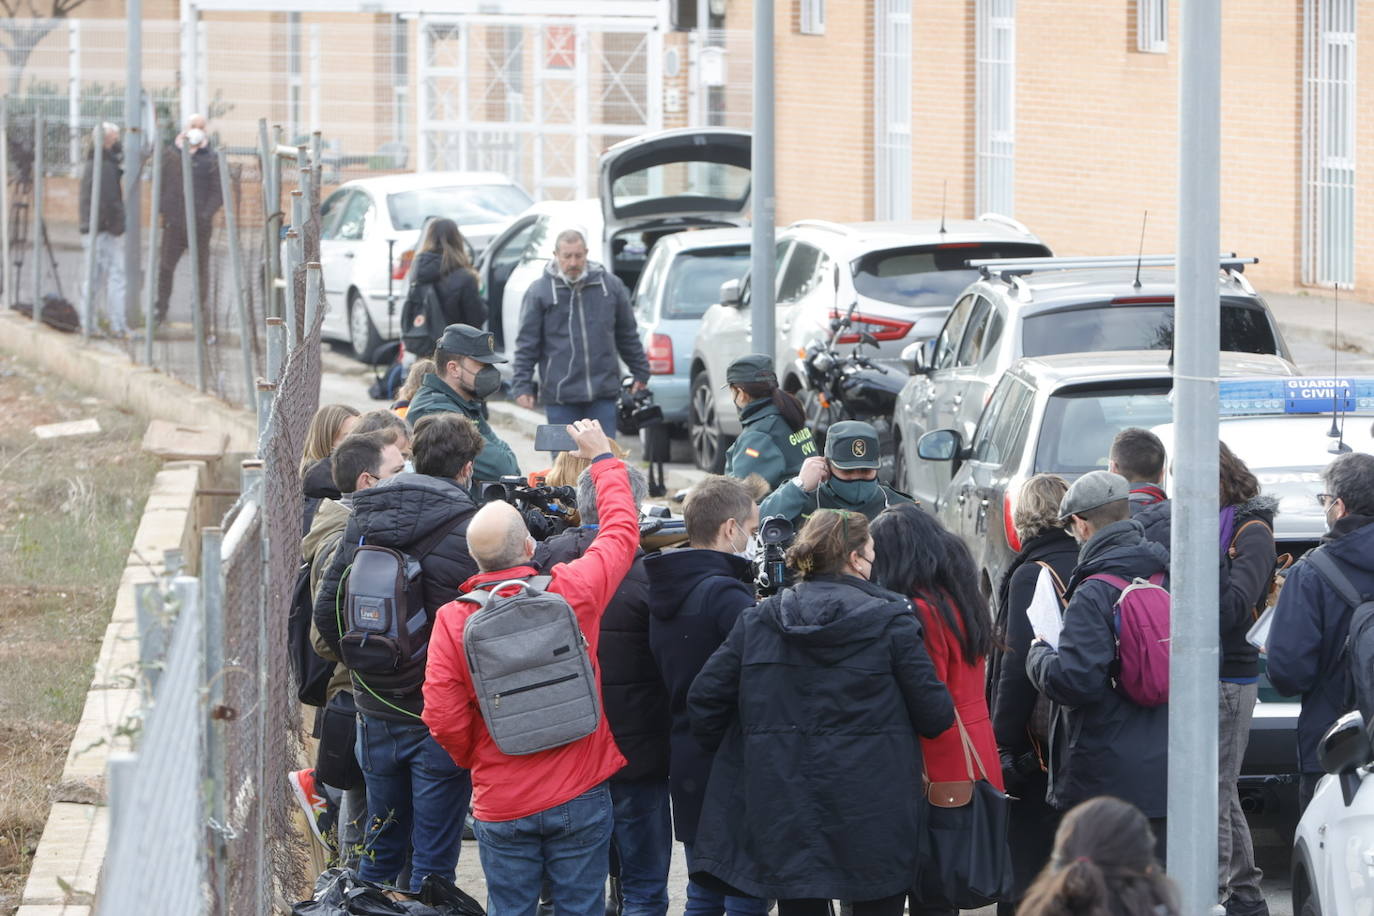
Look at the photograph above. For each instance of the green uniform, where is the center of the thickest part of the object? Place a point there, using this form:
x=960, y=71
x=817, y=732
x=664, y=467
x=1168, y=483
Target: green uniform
x=768, y=447
x=868, y=497
x=496, y=460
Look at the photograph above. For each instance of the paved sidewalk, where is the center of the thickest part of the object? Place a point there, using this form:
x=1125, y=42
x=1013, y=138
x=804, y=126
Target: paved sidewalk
x=1310, y=315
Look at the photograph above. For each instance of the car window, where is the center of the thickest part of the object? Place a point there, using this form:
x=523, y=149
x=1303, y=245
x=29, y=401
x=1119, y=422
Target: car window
x=924, y=275
x=1080, y=424
x=510, y=252
x=693, y=280
x=946, y=345
x=1101, y=326
x=803, y=273
x=330, y=212
x=973, y=336
x=651, y=282
x=353, y=220
x=1004, y=422
x=465, y=204
x=997, y=320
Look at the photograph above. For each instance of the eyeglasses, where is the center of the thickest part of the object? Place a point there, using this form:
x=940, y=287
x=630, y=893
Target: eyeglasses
x=1326, y=499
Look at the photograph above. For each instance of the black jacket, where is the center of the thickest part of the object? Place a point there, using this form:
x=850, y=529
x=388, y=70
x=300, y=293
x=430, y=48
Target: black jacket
x=318, y=484
x=457, y=291
x=399, y=512
x=1100, y=742
x=1243, y=579
x=204, y=185
x=1308, y=634
x=815, y=703
x=694, y=600
x=1011, y=695
x=632, y=692
x=111, y=194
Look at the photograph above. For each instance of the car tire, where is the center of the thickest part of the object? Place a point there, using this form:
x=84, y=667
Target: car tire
x=708, y=445
x=362, y=333
x=1310, y=906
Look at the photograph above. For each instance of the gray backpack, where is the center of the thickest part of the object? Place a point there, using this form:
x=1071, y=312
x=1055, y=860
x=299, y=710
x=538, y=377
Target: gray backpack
x=530, y=667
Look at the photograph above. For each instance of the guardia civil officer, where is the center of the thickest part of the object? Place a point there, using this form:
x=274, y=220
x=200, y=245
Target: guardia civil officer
x=776, y=440
x=846, y=478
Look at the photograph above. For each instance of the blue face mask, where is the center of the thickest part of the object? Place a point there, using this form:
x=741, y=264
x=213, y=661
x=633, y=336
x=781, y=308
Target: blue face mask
x=852, y=492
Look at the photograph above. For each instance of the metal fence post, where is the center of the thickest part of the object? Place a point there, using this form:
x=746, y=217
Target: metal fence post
x=288, y=280
x=231, y=229
x=133, y=152
x=312, y=295
x=212, y=584
x=151, y=280
x=38, y=153
x=7, y=268
x=276, y=349
x=153, y=636
x=304, y=174
x=271, y=205
x=267, y=395
x=74, y=92
x=93, y=236
x=193, y=250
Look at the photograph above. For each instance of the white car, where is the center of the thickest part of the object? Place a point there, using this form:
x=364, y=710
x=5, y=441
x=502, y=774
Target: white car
x=367, y=225
x=1333, y=853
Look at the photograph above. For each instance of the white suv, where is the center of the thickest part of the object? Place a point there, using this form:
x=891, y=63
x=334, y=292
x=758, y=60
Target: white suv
x=902, y=279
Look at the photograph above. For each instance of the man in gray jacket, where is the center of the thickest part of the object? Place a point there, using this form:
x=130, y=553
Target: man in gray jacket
x=576, y=325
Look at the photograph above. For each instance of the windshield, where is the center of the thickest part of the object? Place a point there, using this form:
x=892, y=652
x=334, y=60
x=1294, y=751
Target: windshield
x=694, y=185
x=1079, y=425
x=1107, y=326
x=466, y=205
x=926, y=275
x=694, y=283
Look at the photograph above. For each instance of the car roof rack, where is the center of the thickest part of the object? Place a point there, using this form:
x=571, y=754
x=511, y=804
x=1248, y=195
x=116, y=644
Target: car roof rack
x=1003, y=219
x=1006, y=268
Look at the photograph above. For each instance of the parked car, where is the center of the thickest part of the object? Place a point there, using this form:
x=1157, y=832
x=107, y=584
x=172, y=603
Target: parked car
x=1333, y=852
x=358, y=221
x=1042, y=308
x=650, y=187
x=901, y=278
x=680, y=281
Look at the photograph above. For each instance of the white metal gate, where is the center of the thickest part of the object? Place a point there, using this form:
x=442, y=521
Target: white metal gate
x=1329, y=133
x=535, y=98
x=996, y=105
x=892, y=103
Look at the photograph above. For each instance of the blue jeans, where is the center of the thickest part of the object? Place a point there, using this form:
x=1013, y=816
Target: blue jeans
x=417, y=798
x=643, y=844
x=605, y=410
x=568, y=843
x=703, y=902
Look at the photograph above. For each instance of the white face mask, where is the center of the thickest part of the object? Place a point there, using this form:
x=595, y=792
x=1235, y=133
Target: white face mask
x=409, y=467
x=748, y=550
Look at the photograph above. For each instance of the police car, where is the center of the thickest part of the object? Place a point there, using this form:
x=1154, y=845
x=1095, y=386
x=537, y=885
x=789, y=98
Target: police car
x=1333, y=854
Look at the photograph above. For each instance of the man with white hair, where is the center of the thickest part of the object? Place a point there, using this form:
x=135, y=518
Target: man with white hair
x=576, y=325
x=205, y=187
x=107, y=279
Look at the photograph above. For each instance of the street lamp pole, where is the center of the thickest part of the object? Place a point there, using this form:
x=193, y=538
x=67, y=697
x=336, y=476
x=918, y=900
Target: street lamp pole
x=761, y=261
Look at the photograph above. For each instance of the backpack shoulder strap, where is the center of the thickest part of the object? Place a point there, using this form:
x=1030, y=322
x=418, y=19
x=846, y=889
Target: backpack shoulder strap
x=432, y=540
x=1331, y=572
x=1157, y=579
x=1115, y=582
x=1054, y=577
x=540, y=582
x=1241, y=530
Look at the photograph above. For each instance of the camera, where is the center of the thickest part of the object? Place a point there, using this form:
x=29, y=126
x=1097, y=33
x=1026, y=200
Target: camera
x=770, y=566
x=545, y=509
x=636, y=409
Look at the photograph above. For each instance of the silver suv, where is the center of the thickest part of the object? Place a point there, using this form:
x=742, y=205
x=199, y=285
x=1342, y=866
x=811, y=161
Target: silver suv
x=902, y=279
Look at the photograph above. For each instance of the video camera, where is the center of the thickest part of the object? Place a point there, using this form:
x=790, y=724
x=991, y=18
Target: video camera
x=770, y=566
x=546, y=510
x=636, y=409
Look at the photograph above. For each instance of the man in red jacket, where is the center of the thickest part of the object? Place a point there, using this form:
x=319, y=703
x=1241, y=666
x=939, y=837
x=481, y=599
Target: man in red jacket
x=547, y=813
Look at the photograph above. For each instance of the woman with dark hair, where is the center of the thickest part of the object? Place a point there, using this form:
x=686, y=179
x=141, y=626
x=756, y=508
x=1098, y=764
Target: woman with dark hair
x=1103, y=865
x=814, y=706
x=776, y=439
x=1020, y=714
x=442, y=264
x=915, y=556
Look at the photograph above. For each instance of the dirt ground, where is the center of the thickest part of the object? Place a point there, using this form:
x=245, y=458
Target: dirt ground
x=69, y=508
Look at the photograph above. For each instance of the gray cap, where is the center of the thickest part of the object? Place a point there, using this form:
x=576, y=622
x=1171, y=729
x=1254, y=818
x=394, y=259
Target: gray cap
x=752, y=367
x=466, y=340
x=1093, y=489
x=852, y=445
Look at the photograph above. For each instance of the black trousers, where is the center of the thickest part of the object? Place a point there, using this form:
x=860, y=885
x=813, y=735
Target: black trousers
x=174, y=237
x=886, y=906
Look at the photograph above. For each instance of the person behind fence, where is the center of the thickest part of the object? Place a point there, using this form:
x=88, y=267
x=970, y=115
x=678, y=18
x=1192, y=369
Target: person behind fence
x=107, y=278
x=775, y=439
x=318, y=479
x=466, y=377
x=1103, y=864
x=814, y=706
x=637, y=708
x=1311, y=621
x=441, y=276
x=545, y=813
x=328, y=427
x=576, y=325
x=417, y=797
x=335, y=784
x=208, y=197
x=846, y=478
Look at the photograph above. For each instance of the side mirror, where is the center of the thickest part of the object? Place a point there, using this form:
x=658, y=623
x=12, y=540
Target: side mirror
x=939, y=445
x=914, y=358
x=1344, y=749
x=730, y=294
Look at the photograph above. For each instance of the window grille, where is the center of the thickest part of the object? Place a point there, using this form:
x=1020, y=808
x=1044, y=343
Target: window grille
x=892, y=103
x=813, y=17
x=1152, y=26
x=996, y=105
x=1329, y=106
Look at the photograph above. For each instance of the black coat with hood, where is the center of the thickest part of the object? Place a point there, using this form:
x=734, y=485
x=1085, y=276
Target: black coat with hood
x=1101, y=743
x=635, y=700
x=459, y=298
x=401, y=512
x=815, y=703
x=318, y=484
x=111, y=214
x=696, y=596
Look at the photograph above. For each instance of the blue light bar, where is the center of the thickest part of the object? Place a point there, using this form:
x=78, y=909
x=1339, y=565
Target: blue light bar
x=1238, y=397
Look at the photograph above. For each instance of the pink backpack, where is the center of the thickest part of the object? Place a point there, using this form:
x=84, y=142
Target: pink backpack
x=1142, y=638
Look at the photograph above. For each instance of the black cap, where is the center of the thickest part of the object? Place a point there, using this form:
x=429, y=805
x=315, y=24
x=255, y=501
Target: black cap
x=852, y=445
x=466, y=340
x=754, y=367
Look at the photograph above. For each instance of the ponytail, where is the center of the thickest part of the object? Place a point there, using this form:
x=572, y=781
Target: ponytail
x=793, y=414
x=1077, y=889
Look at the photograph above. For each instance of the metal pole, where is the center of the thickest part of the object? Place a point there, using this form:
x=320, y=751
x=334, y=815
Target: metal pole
x=93, y=224
x=154, y=251
x=38, y=154
x=289, y=299
x=1192, y=826
x=231, y=231
x=761, y=261
x=212, y=578
x=6, y=269
x=276, y=349
x=133, y=153
x=193, y=251
x=312, y=295
x=303, y=176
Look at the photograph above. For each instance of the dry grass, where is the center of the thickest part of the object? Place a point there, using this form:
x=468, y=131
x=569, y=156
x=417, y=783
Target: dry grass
x=68, y=512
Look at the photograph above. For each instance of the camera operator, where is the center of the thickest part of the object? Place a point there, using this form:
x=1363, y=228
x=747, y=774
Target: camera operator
x=846, y=478
x=697, y=594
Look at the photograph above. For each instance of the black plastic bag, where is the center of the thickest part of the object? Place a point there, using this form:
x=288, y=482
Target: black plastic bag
x=340, y=892
x=447, y=898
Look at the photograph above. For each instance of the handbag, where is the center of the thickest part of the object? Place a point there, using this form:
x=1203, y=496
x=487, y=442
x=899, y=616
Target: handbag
x=967, y=860
x=1042, y=714
x=422, y=326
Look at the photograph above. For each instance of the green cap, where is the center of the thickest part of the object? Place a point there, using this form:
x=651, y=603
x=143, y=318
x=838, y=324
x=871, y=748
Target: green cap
x=755, y=367
x=466, y=340
x=852, y=445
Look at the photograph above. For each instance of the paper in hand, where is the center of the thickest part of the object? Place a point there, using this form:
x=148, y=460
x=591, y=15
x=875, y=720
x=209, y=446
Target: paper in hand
x=1044, y=612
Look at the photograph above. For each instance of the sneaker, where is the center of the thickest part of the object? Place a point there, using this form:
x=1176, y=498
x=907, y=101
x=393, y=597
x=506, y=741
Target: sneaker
x=310, y=800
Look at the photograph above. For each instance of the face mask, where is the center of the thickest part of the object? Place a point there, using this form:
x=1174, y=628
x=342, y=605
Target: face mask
x=852, y=492
x=750, y=548
x=409, y=467
x=486, y=382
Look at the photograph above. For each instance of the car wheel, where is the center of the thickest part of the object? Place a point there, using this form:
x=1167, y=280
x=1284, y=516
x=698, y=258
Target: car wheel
x=707, y=447
x=362, y=333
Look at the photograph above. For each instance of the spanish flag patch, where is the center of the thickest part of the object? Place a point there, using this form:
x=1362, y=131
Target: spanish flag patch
x=752, y=452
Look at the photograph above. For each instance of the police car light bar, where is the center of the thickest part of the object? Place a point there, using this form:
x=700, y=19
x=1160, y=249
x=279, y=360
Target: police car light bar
x=1238, y=397
x=1010, y=267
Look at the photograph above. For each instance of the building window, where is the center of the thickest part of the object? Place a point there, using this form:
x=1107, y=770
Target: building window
x=1329, y=107
x=996, y=105
x=1152, y=26
x=813, y=17
x=892, y=103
